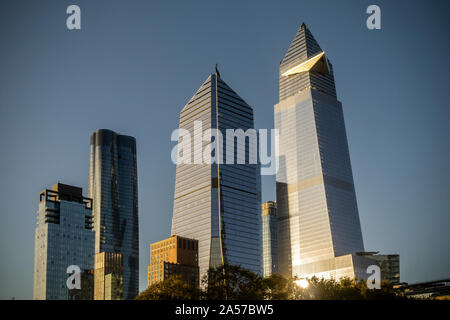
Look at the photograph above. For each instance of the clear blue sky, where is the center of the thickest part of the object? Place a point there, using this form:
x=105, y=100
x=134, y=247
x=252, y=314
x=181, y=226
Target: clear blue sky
x=135, y=64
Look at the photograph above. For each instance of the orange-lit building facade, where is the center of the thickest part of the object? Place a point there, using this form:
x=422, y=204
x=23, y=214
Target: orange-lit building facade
x=174, y=256
x=108, y=276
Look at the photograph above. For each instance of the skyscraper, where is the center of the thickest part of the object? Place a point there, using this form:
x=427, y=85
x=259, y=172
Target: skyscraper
x=63, y=238
x=318, y=223
x=218, y=203
x=269, y=238
x=113, y=188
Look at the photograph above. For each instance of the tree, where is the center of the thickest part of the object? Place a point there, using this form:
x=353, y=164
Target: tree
x=344, y=289
x=387, y=291
x=173, y=288
x=229, y=282
x=277, y=287
x=330, y=289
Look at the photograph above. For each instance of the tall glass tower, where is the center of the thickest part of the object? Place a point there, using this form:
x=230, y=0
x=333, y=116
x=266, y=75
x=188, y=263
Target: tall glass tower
x=269, y=238
x=318, y=223
x=216, y=203
x=113, y=188
x=63, y=238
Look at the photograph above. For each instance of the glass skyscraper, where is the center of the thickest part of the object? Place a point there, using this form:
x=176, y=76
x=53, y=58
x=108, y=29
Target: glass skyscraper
x=318, y=223
x=113, y=188
x=216, y=203
x=269, y=238
x=63, y=237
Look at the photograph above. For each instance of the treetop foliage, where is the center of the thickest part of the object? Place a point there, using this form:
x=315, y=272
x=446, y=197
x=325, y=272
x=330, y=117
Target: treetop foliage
x=229, y=282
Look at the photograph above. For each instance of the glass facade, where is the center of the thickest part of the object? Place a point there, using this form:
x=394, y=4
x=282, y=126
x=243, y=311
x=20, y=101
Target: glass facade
x=317, y=211
x=269, y=238
x=218, y=204
x=113, y=188
x=63, y=237
x=86, y=292
x=389, y=264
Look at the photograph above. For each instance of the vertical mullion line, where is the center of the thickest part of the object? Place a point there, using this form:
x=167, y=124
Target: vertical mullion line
x=218, y=167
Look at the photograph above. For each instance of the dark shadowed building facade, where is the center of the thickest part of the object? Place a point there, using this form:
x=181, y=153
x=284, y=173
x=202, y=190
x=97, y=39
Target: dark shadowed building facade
x=113, y=188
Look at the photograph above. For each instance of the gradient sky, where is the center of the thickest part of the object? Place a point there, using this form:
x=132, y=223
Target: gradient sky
x=135, y=64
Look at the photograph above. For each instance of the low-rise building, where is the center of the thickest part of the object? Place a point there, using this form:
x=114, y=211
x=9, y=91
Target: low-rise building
x=108, y=276
x=389, y=265
x=174, y=256
x=438, y=289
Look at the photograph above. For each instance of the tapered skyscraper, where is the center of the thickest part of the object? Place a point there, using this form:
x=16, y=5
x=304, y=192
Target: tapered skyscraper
x=318, y=223
x=113, y=188
x=216, y=203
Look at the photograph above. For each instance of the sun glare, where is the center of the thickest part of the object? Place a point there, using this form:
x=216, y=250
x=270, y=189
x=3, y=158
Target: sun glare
x=302, y=283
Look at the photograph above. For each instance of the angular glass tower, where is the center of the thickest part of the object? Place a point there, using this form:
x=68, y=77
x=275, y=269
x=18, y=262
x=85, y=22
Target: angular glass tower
x=113, y=188
x=215, y=203
x=63, y=237
x=318, y=217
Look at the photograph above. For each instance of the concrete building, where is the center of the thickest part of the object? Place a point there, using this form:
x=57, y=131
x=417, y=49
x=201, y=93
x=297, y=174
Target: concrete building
x=174, y=256
x=108, y=276
x=437, y=289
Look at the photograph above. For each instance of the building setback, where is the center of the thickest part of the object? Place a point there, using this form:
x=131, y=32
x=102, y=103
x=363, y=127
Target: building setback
x=319, y=230
x=216, y=203
x=113, y=188
x=63, y=238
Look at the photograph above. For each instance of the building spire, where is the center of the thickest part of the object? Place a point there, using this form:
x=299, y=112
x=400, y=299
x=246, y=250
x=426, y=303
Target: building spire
x=217, y=71
x=305, y=65
x=302, y=47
